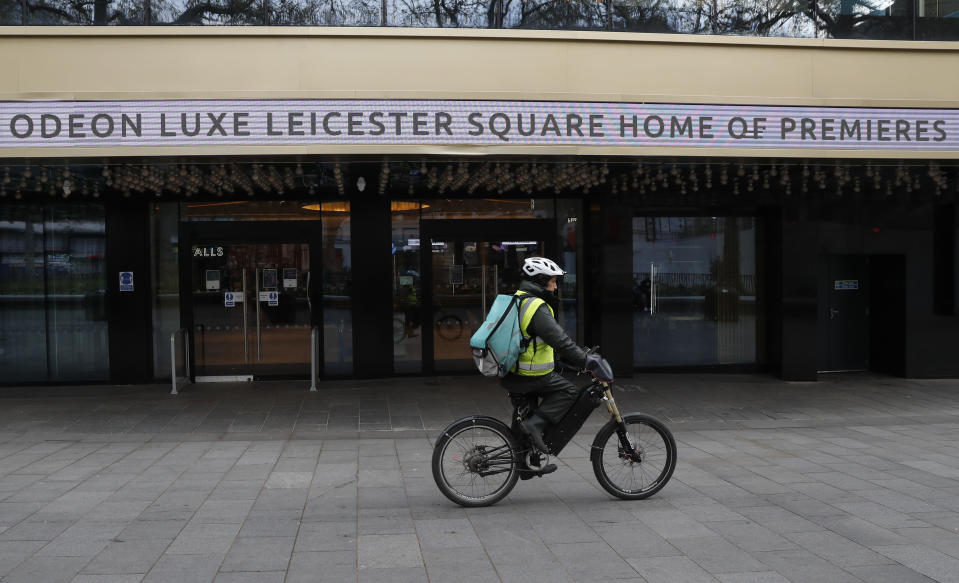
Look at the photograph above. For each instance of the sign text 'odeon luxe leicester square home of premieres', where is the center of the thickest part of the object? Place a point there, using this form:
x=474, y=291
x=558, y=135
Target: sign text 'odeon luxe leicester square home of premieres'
x=38, y=124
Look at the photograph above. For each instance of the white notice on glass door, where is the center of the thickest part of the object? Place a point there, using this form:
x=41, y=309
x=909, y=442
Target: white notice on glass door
x=289, y=277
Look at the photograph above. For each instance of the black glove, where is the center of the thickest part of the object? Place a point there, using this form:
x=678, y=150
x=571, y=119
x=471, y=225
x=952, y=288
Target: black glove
x=599, y=367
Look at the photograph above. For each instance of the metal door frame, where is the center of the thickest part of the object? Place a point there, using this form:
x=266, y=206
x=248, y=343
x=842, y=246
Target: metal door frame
x=469, y=230
x=249, y=232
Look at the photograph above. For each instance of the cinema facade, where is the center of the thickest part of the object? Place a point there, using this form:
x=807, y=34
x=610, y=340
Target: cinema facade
x=355, y=198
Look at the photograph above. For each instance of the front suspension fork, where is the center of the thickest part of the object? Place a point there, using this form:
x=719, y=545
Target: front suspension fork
x=624, y=440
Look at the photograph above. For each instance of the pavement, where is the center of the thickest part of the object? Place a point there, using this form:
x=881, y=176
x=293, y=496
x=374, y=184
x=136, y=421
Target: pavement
x=853, y=478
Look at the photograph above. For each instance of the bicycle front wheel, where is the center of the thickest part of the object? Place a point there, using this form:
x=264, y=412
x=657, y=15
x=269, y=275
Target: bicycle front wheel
x=475, y=461
x=618, y=473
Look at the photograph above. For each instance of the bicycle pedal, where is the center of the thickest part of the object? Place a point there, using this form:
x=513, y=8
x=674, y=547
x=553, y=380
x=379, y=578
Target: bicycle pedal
x=529, y=474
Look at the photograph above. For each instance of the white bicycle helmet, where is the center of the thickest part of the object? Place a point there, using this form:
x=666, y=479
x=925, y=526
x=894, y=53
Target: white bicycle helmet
x=534, y=266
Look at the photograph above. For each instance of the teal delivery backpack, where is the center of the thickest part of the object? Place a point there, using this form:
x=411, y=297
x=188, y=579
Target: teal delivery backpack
x=498, y=342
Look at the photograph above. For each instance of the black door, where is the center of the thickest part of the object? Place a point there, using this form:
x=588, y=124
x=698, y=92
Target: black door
x=843, y=313
x=248, y=297
x=466, y=263
x=887, y=314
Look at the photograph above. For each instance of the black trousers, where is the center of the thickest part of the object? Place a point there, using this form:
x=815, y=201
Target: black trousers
x=555, y=392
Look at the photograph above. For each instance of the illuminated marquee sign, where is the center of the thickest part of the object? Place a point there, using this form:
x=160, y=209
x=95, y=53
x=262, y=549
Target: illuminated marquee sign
x=38, y=124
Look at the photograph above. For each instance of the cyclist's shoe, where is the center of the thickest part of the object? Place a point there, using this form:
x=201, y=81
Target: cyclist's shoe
x=527, y=473
x=533, y=427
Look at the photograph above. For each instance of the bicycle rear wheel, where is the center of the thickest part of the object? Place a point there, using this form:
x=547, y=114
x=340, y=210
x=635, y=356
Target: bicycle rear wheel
x=475, y=461
x=624, y=478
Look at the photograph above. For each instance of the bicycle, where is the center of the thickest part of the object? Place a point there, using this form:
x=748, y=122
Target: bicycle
x=477, y=460
x=449, y=327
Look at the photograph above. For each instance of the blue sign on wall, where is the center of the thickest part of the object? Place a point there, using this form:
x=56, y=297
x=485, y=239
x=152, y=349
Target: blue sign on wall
x=126, y=281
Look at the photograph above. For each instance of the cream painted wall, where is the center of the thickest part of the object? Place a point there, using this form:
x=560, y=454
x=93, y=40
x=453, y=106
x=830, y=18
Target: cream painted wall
x=87, y=63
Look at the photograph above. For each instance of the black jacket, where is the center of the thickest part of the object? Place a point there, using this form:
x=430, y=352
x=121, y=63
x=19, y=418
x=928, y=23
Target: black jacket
x=546, y=328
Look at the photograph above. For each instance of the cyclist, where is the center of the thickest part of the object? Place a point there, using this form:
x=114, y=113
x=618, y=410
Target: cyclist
x=534, y=372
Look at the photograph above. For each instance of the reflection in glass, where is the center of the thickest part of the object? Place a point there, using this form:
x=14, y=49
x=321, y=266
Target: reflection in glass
x=11, y=13
x=166, y=283
x=98, y=12
x=250, y=210
x=407, y=332
x=23, y=334
x=75, y=245
x=568, y=220
x=694, y=290
x=467, y=276
x=569, y=15
x=867, y=19
x=337, y=293
x=489, y=208
x=52, y=293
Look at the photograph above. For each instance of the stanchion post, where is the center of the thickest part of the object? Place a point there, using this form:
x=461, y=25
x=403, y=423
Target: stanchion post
x=314, y=357
x=174, y=377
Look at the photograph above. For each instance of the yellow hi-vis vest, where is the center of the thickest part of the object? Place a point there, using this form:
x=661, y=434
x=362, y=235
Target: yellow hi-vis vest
x=537, y=359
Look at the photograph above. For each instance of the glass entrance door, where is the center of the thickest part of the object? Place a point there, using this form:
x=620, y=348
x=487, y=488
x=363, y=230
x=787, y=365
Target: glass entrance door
x=251, y=309
x=466, y=277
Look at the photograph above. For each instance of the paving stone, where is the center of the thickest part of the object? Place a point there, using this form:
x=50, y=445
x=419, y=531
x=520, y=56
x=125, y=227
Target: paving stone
x=717, y=555
x=671, y=524
x=526, y=561
x=12, y=553
x=561, y=527
x=670, y=570
x=750, y=536
x=46, y=569
x=635, y=540
x=888, y=574
x=592, y=561
x=322, y=567
x=81, y=540
x=152, y=530
x=251, y=577
x=237, y=490
x=393, y=575
x=836, y=549
x=801, y=565
x=269, y=527
x=459, y=565
x=204, y=539
x=198, y=568
x=289, y=480
x=502, y=526
x=387, y=551
x=331, y=508
x=326, y=536
x=755, y=577
x=385, y=521
x=861, y=531
x=928, y=562
x=127, y=557
x=446, y=533
x=259, y=554
x=107, y=578
x=35, y=530
x=779, y=520
x=216, y=510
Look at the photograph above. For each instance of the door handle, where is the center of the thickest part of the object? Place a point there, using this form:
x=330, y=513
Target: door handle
x=833, y=313
x=246, y=334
